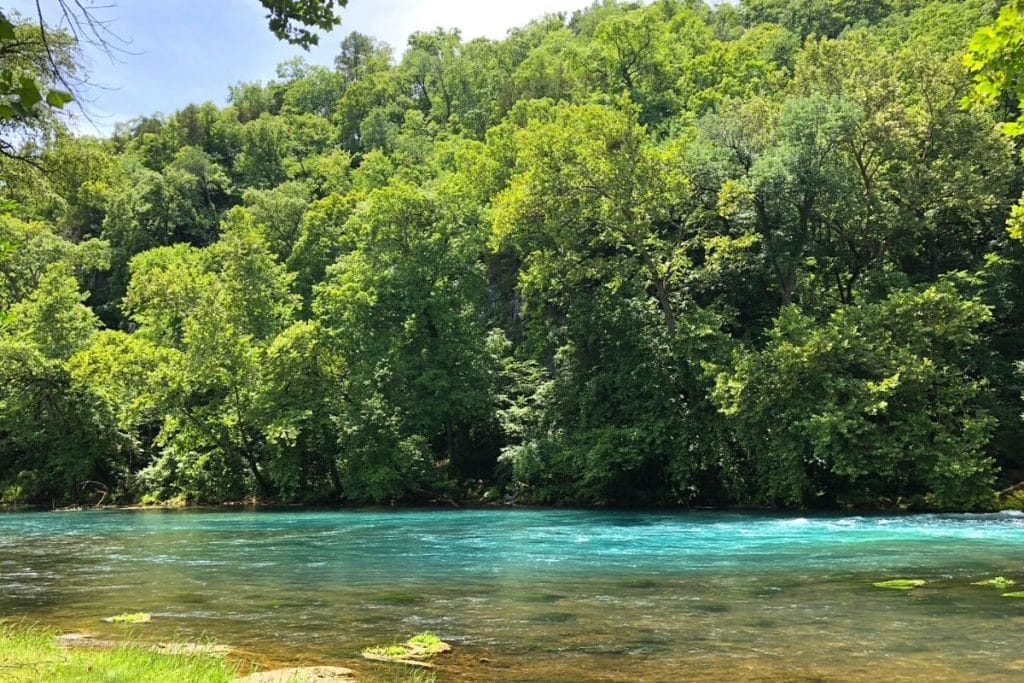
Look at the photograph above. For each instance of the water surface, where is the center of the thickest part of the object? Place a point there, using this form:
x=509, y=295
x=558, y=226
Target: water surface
x=543, y=595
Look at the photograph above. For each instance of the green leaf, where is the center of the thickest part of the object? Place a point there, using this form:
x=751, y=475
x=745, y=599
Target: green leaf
x=6, y=28
x=29, y=93
x=58, y=98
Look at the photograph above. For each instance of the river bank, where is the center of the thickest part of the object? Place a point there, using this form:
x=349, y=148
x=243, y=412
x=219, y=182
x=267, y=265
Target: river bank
x=1008, y=499
x=32, y=653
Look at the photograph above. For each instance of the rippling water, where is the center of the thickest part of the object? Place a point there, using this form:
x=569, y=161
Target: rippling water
x=543, y=595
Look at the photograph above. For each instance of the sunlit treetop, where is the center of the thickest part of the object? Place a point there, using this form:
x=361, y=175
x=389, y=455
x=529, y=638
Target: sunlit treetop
x=296, y=20
x=996, y=58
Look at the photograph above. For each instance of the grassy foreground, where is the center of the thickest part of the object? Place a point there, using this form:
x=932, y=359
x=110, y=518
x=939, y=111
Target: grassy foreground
x=33, y=654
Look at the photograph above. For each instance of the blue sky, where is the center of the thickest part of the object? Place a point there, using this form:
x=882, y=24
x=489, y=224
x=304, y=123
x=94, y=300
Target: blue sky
x=184, y=51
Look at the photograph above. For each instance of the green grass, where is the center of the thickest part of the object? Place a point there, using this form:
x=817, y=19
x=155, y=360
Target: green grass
x=33, y=654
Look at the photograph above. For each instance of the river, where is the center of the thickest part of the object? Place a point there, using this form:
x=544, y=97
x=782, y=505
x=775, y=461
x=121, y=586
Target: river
x=542, y=595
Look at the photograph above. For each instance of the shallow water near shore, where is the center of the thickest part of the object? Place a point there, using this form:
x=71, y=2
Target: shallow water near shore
x=538, y=595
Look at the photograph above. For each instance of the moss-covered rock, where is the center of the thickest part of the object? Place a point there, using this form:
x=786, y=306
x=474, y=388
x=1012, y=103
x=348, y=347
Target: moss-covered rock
x=414, y=651
x=130, y=618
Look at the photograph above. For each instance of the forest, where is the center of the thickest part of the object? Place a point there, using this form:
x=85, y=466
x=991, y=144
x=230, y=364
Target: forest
x=661, y=254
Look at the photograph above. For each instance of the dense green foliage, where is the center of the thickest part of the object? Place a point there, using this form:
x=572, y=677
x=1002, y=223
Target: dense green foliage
x=655, y=254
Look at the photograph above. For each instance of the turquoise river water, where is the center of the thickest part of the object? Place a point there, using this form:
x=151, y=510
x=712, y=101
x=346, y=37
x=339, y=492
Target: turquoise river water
x=530, y=595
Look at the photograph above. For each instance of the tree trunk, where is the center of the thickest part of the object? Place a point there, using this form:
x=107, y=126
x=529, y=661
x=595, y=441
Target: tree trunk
x=332, y=469
x=661, y=290
x=257, y=475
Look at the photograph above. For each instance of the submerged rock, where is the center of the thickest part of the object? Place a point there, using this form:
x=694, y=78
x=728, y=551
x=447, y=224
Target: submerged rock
x=89, y=640
x=900, y=584
x=301, y=674
x=396, y=659
x=209, y=649
x=998, y=582
x=393, y=598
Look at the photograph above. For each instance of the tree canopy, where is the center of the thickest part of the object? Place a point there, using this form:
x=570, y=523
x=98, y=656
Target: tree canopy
x=646, y=254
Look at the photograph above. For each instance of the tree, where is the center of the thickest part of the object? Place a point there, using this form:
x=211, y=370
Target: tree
x=321, y=239
x=316, y=92
x=360, y=56
x=30, y=249
x=642, y=53
x=216, y=311
x=826, y=18
x=67, y=185
x=265, y=145
x=278, y=213
x=784, y=180
x=403, y=312
x=151, y=209
x=597, y=214
x=590, y=176
x=875, y=405
x=432, y=64
x=758, y=62
x=296, y=20
x=912, y=129
x=36, y=73
x=57, y=436
x=996, y=58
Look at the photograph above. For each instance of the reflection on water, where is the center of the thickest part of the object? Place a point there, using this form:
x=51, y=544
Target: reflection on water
x=543, y=595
